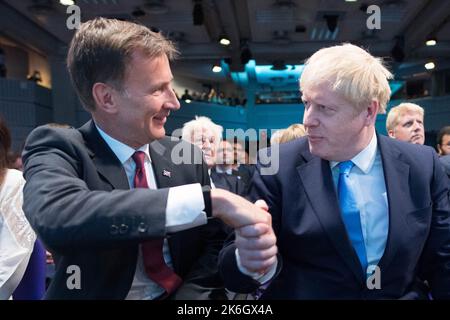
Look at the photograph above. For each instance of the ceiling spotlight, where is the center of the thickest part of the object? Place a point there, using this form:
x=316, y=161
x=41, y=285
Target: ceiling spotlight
x=67, y=2
x=431, y=42
x=430, y=65
x=224, y=41
x=331, y=20
x=216, y=68
x=138, y=12
x=197, y=13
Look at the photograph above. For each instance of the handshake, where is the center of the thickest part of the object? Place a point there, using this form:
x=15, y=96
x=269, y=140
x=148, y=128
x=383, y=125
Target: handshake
x=255, y=239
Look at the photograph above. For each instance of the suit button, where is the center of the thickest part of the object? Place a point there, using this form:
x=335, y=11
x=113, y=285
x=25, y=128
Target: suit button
x=113, y=230
x=123, y=229
x=142, y=227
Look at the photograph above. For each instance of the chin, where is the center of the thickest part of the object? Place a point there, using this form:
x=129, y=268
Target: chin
x=159, y=134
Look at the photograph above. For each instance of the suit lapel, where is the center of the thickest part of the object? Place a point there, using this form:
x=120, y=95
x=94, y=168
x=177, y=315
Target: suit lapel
x=162, y=165
x=317, y=180
x=396, y=176
x=103, y=157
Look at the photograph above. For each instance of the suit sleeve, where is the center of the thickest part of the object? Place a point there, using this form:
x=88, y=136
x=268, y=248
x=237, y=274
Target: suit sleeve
x=435, y=262
x=67, y=214
x=203, y=281
x=261, y=187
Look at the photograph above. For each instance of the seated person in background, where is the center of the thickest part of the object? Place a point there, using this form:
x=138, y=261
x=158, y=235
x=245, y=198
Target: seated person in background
x=16, y=236
x=275, y=138
x=35, y=77
x=207, y=135
x=292, y=132
x=443, y=141
x=186, y=95
x=222, y=173
x=405, y=122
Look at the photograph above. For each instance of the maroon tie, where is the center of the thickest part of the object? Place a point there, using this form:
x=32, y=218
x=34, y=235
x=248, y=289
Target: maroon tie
x=152, y=250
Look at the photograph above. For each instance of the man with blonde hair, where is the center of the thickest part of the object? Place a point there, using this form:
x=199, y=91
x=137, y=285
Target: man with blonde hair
x=405, y=122
x=357, y=215
x=121, y=219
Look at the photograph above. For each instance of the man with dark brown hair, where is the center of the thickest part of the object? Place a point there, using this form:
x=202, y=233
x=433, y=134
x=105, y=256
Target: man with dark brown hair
x=110, y=242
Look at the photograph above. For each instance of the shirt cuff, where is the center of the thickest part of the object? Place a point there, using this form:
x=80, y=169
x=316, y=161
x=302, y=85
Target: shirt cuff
x=261, y=278
x=185, y=208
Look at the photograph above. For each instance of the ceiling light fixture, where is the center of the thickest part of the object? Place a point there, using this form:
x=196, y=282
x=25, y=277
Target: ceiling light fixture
x=197, y=13
x=431, y=42
x=216, y=68
x=67, y=2
x=430, y=65
x=331, y=20
x=224, y=41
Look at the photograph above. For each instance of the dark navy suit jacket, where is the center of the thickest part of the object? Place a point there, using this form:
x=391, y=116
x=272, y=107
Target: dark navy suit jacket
x=317, y=259
x=78, y=201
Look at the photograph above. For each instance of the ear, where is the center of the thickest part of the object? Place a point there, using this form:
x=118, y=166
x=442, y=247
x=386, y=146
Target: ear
x=391, y=133
x=372, y=111
x=105, y=97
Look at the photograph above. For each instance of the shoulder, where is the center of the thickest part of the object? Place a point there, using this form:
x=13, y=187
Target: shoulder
x=292, y=153
x=409, y=152
x=44, y=138
x=12, y=183
x=14, y=176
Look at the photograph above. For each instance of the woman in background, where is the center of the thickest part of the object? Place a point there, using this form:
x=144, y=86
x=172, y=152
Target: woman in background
x=16, y=236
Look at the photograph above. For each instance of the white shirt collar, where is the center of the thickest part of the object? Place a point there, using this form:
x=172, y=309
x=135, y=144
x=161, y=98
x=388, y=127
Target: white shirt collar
x=228, y=171
x=365, y=159
x=122, y=151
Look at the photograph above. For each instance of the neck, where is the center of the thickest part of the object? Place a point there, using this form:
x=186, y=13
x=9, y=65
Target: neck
x=117, y=132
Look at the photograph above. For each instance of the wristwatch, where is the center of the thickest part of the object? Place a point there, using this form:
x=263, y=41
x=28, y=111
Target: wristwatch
x=207, y=199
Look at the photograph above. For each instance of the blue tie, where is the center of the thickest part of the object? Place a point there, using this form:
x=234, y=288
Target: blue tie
x=350, y=212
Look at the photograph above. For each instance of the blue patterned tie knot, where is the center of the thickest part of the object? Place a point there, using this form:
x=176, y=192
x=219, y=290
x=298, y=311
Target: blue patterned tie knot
x=350, y=212
x=345, y=167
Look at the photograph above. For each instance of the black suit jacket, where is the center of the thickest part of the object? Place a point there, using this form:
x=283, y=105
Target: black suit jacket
x=228, y=182
x=77, y=199
x=318, y=261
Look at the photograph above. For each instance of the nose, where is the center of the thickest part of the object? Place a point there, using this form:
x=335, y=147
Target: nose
x=417, y=126
x=172, y=102
x=309, y=119
x=206, y=144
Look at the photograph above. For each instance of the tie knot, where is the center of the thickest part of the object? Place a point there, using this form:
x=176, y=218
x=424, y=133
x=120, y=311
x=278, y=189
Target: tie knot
x=345, y=167
x=138, y=158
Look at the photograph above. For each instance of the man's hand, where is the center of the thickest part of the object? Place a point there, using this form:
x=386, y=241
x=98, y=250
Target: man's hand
x=236, y=211
x=256, y=245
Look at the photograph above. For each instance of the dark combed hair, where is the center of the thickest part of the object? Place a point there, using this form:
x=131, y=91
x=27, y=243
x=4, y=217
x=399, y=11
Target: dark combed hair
x=101, y=49
x=444, y=131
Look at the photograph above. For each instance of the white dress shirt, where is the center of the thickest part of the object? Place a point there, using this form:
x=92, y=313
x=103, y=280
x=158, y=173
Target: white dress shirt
x=369, y=187
x=184, y=210
x=16, y=235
